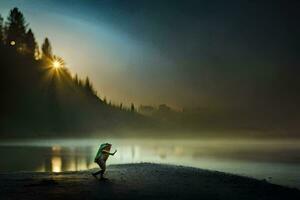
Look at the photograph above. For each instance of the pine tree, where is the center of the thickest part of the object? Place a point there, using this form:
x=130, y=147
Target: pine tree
x=132, y=107
x=46, y=49
x=76, y=80
x=15, y=28
x=31, y=45
x=104, y=100
x=87, y=83
x=88, y=86
x=1, y=29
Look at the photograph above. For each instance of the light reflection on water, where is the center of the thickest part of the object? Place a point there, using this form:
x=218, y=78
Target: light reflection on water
x=56, y=164
x=275, y=161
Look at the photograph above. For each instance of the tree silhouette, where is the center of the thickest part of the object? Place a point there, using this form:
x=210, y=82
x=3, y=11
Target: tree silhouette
x=1, y=29
x=43, y=96
x=30, y=43
x=87, y=83
x=132, y=109
x=46, y=49
x=88, y=86
x=76, y=80
x=104, y=100
x=15, y=28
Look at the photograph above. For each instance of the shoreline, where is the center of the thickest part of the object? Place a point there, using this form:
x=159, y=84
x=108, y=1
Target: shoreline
x=140, y=181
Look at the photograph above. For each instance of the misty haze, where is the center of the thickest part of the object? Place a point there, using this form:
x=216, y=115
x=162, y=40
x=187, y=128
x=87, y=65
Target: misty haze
x=149, y=99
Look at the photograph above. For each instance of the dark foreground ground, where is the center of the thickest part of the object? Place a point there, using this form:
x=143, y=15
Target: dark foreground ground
x=140, y=181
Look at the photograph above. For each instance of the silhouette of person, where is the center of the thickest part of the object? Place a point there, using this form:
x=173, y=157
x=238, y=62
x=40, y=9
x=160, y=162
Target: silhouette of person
x=101, y=157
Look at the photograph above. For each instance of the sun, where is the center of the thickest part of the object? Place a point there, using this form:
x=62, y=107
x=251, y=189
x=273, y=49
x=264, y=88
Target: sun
x=56, y=64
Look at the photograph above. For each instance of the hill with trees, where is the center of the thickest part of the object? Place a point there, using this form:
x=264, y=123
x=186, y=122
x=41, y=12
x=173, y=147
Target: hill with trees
x=40, y=97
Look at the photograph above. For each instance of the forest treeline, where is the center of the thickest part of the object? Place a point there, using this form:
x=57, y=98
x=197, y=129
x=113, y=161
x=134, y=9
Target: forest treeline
x=40, y=97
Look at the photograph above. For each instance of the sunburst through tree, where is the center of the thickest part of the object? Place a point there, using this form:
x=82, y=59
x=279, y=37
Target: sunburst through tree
x=57, y=62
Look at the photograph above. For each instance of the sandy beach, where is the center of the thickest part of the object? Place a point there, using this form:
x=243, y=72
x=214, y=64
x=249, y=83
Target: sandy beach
x=140, y=181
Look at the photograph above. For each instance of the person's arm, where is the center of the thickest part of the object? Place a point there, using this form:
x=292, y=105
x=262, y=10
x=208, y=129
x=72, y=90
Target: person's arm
x=113, y=153
x=107, y=152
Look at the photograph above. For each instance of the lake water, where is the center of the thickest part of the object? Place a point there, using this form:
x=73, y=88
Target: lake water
x=276, y=161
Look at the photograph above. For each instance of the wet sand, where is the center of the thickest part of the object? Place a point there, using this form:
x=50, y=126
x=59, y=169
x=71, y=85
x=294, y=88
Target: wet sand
x=140, y=181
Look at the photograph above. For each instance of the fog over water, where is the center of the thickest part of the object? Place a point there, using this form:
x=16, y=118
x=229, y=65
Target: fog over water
x=274, y=160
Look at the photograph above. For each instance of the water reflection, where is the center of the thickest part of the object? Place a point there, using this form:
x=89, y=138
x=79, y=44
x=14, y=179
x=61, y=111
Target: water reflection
x=280, y=161
x=56, y=164
x=59, y=159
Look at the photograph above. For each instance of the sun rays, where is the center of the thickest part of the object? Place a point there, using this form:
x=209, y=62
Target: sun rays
x=57, y=63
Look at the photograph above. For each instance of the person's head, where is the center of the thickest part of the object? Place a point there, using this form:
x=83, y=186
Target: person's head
x=107, y=146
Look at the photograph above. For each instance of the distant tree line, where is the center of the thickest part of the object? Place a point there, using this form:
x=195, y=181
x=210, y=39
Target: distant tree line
x=14, y=32
x=38, y=91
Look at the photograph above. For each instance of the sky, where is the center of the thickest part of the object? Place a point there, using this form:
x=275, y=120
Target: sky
x=222, y=54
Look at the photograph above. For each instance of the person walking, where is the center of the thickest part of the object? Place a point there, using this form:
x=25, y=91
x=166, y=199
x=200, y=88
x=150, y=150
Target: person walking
x=101, y=158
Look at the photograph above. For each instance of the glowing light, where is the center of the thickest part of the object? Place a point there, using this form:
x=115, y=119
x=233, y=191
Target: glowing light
x=12, y=43
x=56, y=64
x=56, y=164
x=37, y=55
x=56, y=148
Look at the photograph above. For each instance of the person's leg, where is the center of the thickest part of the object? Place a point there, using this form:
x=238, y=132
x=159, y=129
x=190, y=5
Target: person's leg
x=98, y=172
x=102, y=165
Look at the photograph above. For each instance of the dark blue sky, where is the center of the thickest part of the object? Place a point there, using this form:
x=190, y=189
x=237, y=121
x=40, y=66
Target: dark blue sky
x=183, y=53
